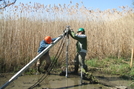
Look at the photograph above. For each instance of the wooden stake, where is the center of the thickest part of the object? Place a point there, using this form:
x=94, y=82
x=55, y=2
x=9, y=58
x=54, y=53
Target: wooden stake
x=132, y=54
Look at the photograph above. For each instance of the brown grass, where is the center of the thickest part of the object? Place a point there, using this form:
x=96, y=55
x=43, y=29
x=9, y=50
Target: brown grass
x=110, y=32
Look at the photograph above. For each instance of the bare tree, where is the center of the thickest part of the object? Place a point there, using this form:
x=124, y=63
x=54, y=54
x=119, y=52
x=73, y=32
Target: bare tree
x=5, y=3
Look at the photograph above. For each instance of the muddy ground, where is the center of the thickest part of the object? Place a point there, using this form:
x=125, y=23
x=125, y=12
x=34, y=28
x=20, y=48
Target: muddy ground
x=54, y=81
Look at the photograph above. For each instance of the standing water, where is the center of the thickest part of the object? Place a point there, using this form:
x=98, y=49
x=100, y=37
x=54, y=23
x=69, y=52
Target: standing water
x=54, y=81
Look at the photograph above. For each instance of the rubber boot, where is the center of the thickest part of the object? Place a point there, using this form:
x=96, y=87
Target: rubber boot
x=75, y=70
x=46, y=69
x=86, y=68
x=38, y=70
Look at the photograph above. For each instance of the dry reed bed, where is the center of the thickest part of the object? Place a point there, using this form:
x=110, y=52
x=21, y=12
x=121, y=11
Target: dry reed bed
x=110, y=32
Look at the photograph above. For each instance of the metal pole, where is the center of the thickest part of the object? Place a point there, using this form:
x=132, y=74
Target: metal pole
x=81, y=75
x=31, y=62
x=67, y=36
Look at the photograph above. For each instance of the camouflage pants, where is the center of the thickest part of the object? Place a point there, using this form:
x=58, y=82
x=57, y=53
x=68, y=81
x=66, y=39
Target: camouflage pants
x=46, y=58
x=80, y=60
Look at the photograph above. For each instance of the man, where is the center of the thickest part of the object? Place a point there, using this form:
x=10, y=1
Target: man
x=81, y=46
x=44, y=44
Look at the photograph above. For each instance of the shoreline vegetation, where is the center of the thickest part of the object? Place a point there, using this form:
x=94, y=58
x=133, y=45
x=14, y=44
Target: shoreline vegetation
x=110, y=35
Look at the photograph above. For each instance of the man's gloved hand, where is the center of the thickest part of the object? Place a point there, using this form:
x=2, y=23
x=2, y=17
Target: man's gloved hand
x=66, y=31
x=70, y=31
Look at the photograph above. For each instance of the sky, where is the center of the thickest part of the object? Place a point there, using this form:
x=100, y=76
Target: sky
x=93, y=4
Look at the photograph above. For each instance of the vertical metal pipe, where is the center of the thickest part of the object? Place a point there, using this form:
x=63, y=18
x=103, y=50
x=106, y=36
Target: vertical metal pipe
x=67, y=45
x=67, y=56
x=81, y=77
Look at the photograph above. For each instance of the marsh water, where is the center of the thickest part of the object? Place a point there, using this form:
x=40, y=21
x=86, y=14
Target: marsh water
x=54, y=81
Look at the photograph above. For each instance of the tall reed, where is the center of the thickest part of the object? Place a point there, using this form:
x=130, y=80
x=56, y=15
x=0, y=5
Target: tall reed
x=110, y=33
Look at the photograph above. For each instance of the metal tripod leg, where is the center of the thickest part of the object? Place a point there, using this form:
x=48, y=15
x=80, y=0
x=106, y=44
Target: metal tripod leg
x=67, y=45
x=81, y=77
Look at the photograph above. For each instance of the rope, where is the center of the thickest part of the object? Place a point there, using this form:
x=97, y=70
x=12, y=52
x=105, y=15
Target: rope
x=51, y=65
